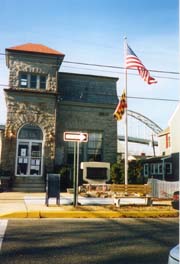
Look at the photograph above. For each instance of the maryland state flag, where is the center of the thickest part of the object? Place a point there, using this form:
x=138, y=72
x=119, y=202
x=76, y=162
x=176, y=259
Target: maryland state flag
x=118, y=113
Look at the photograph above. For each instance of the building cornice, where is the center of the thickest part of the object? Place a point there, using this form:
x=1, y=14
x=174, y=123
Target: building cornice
x=30, y=91
x=89, y=75
x=82, y=104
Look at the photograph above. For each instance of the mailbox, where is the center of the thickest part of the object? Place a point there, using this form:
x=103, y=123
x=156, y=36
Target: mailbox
x=53, y=188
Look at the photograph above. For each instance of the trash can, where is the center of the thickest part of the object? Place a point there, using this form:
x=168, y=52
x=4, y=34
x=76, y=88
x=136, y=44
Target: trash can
x=53, y=188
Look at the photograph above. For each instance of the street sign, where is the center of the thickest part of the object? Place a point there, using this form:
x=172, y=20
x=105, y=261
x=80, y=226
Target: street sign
x=76, y=136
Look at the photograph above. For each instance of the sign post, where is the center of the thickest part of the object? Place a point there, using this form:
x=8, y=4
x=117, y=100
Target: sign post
x=74, y=176
x=77, y=176
x=77, y=138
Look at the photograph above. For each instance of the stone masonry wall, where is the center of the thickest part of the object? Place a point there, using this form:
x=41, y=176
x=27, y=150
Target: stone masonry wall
x=24, y=109
x=30, y=106
x=24, y=63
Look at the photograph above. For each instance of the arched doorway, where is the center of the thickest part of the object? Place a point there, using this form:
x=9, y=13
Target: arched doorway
x=29, y=151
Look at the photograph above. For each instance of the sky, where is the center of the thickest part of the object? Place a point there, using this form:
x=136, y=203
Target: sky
x=93, y=31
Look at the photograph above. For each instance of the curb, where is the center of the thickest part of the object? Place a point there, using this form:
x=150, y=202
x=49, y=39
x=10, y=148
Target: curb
x=105, y=214
x=89, y=214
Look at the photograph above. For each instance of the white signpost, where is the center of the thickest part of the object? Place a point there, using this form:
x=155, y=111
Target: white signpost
x=76, y=137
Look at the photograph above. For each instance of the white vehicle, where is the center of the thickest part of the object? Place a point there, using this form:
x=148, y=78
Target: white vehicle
x=174, y=256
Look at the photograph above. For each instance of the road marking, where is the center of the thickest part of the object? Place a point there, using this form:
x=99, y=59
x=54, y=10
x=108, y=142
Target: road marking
x=3, y=225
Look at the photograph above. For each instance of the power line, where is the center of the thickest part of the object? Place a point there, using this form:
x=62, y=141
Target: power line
x=114, y=67
x=153, y=99
x=88, y=64
x=134, y=74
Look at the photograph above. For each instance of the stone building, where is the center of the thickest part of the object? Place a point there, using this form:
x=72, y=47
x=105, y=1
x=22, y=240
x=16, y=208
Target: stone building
x=43, y=103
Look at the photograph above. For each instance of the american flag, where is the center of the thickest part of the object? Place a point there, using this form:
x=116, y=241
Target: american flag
x=133, y=62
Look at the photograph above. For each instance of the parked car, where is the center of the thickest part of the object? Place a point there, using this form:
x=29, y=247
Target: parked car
x=174, y=255
x=175, y=201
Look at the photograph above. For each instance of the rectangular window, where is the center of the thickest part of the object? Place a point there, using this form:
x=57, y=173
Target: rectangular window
x=90, y=151
x=94, y=152
x=42, y=82
x=23, y=80
x=156, y=168
x=160, y=168
x=146, y=170
x=152, y=169
x=168, y=144
x=168, y=168
x=32, y=81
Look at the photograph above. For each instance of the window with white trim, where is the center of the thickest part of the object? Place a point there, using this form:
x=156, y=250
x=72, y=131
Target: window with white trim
x=156, y=168
x=160, y=168
x=146, y=169
x=152, y=169
x=168, y=167
x=32, y=81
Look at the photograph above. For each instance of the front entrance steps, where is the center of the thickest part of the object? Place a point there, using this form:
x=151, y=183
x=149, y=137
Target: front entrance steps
x=28, y=184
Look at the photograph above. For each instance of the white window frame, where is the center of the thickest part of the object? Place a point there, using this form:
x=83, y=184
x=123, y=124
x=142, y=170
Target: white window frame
x=156, y=168
x=160, y=168
x=29, y=157
x=29, y=80
x=170, y=167
x=146, y=170
x=152, y=169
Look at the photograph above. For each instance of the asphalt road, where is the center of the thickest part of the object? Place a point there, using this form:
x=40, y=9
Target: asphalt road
x=89, y=241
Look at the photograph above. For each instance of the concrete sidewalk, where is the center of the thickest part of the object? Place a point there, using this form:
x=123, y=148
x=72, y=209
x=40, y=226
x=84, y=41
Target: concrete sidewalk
x=32, y=205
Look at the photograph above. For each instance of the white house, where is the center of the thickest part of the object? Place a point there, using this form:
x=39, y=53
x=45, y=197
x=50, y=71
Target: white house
x=166, y=166
x=174, y=125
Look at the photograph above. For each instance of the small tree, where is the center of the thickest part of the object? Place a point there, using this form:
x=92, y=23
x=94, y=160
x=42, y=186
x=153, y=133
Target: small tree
x=134, y=172
x=117, y=172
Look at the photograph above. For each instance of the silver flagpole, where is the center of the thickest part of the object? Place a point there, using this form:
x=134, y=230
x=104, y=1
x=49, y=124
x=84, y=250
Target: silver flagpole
x=126, y=117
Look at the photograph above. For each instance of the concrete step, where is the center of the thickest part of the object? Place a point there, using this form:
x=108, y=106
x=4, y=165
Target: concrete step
x=28, y=189
x=29, y=179
x=29, y=184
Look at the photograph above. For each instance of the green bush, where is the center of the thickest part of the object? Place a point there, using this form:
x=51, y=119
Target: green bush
x=117, y=173
x=134, y=172
x=65, y=172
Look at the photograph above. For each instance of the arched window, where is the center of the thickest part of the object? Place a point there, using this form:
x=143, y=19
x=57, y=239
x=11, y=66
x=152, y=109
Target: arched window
x=31, y=131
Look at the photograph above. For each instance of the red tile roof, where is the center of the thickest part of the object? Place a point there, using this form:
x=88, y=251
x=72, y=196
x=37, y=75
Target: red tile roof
x=35, y=48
